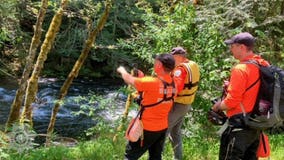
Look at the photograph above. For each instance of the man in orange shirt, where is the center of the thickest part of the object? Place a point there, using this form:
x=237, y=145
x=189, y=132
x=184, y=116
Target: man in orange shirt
x=238, y=141
x=157, y=99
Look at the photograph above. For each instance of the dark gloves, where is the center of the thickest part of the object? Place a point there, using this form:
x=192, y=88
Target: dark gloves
x=216, y=118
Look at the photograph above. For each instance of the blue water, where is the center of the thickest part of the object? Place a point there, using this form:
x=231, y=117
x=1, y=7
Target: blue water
x=78, y=96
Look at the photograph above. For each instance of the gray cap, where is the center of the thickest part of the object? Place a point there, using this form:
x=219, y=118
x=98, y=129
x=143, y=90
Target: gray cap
x=242, y=38
x=178, y=50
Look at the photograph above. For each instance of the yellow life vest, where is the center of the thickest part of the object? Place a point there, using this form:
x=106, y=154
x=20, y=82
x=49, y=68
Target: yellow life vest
x=187, y=95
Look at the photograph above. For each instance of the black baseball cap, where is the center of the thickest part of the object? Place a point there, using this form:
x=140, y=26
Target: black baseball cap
x=167, y=60
x=241, y=38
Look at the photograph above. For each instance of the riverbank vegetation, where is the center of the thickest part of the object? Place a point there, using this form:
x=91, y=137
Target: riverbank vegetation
x=133, y=33
x=200, y=143
x=102, y=148
x=200, y=139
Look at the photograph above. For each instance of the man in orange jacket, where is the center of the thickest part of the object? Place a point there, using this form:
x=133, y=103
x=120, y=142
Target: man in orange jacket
x=237, y=141
x=187, y=75
x=157, y=99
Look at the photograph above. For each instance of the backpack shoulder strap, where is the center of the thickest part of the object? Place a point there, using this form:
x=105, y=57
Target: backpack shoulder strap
x=254, y=83
x=165, y=98
x=257, y=65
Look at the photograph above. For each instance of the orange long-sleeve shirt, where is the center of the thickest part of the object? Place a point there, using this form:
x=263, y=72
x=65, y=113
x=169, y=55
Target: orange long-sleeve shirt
x=242, y=76
x=180, y=75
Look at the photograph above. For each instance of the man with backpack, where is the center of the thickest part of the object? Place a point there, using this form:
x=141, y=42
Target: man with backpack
x=187, y=75
x=239, y=141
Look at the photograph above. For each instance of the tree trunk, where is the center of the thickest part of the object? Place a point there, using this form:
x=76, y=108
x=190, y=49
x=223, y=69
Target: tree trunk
x=14, y=115
x=31, y=90
x=74, y=73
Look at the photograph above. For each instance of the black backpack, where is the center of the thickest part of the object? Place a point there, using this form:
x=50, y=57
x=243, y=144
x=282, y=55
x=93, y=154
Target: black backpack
x=268, y=111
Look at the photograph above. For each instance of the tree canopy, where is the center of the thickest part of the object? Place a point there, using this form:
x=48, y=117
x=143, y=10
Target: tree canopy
x=138, y=29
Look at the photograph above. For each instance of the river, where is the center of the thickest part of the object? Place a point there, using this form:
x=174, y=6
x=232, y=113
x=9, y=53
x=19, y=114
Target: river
x=77, y=99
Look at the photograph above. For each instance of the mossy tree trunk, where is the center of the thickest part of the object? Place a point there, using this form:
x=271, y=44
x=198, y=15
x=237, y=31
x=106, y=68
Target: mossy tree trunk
x=76, y=68
x=32, y=85
x=14, y=115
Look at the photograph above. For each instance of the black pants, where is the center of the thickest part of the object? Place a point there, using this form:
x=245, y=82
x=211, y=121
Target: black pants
x=153, y=142
x=239, y=144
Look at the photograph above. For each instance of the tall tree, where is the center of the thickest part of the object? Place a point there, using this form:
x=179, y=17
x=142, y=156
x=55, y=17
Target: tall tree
x=76, y=68
x=14, y=115
x=32, y=86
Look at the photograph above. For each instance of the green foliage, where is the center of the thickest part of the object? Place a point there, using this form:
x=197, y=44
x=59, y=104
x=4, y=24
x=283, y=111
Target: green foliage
x=3, y=37
x=202, y=32
x=19, y=139
x=3, y=147
x=82, y=17
x=161, y=31
x=102, y=147
x=200, y=35
x=8, y=21
x=215, y=63
x=264, y=19
x=197, y=130
x=70, y=42
x=52, y=153
x=136, y=30
x=200, y=140
x=8, y=11
x=276, y=144
x=96, y=107
x=3, y=154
